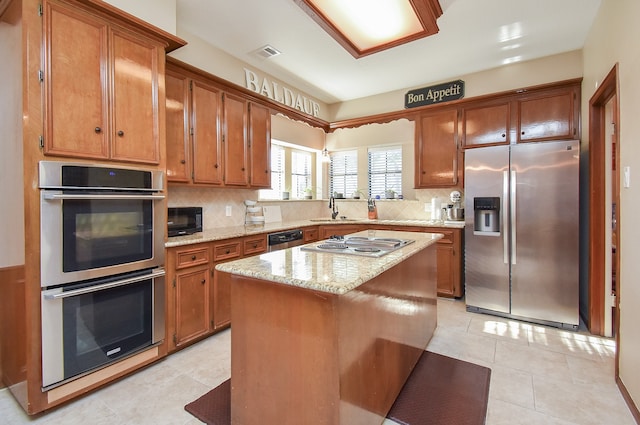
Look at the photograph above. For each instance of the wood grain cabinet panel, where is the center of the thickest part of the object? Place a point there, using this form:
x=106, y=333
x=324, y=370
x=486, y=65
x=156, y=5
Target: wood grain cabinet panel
x=259, y=145
x=102, y=94
x=438, y=163
x=206, y=129
x=549, y=115
x=177, y=112
x=486, y=124
x=192, y=309
x=235, y=146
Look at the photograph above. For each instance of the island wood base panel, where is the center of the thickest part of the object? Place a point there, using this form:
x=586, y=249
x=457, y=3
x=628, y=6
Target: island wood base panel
x=300, y=356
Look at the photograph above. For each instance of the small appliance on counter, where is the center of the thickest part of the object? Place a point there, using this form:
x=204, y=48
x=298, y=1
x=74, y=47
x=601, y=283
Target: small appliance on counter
x=254, y=214
x=454, y=211
x=184, y=220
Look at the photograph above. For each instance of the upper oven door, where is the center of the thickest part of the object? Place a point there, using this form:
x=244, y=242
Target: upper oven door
x=87, y=235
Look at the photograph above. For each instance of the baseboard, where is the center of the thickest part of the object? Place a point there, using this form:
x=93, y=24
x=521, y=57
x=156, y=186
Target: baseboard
x=627, y=398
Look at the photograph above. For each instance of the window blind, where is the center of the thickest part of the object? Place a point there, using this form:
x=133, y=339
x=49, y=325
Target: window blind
x=300, y=173
x=277, y=174
x=343, y=173
x=385, y=170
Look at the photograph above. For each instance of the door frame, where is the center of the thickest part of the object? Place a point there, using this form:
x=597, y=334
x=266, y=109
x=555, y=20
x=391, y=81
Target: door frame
x=608, y=89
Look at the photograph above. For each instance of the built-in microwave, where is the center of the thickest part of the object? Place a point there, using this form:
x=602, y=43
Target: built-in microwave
x=184, y=220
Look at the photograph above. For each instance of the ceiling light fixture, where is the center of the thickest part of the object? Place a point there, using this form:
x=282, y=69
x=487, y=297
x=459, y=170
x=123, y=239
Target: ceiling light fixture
x=325, y=155
x=364, y=27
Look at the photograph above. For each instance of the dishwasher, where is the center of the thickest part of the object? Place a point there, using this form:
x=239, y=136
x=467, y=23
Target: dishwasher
x=285, y=239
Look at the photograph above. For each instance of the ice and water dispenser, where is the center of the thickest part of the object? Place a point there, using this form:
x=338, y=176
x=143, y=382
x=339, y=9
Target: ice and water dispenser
x=486, y=216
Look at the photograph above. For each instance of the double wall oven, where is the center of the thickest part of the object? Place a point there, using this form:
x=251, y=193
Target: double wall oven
x=102, y=266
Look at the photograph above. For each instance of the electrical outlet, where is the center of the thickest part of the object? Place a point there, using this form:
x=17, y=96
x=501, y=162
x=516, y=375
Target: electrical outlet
x=227, y=210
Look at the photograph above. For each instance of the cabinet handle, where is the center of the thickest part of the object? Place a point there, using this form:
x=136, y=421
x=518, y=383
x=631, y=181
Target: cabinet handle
x=242, y=168
x=255, y=245
x=203, y=281
x=97, y=129
x=228, y=251
x=267, y=171
x=193, y=257
x=182, y=161
x=215, y=166
x=120, y=133
x=522, y=133
x=504, y=135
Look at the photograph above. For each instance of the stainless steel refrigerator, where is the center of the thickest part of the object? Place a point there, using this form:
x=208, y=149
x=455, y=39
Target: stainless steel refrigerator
x=521, y=232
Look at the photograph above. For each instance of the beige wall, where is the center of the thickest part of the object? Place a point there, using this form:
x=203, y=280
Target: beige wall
x=523, y=74
x=11, y=189
x=161, y=13
x=613, y=39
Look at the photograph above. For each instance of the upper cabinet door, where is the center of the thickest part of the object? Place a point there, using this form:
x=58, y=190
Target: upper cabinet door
x=136, y=127
x=76, y=75
x=207, y=151
x=486, y=125
x=260, y=145
x=551, y=115
x=235, y=141
x=101, y=85
x=438, y=163
x=178, y=158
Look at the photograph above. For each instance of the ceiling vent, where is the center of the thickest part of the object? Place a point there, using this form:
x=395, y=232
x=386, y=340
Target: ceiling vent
x=267, y=52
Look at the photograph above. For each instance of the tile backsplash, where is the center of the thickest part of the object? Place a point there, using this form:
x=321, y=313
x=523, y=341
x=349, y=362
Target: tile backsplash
x=214, y=203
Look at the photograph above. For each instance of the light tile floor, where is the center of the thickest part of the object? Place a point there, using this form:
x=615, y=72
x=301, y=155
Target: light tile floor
x=540, y=375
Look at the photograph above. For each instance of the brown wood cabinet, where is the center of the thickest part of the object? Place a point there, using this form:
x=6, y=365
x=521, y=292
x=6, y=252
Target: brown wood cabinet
x=450, y=256
x=549, y=115
x=531, y=115
x=328, y=230
x=259, y=145
x=199, y=297
x=311, y=234
x=217, y=138
x=102, y=94
x=438, y=159
x=189, y=281
x=486, y=124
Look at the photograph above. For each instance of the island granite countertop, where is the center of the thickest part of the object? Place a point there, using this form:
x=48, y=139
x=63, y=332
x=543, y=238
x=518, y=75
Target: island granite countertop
x=329, y=272
x=217, y=234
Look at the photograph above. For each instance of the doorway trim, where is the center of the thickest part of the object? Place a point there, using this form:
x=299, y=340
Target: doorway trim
x=609, y=88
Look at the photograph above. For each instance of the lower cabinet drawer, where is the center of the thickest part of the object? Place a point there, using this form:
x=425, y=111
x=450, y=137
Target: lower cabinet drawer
x=226, y=251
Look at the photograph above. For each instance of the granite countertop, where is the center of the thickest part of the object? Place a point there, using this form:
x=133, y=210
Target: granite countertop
x=327, y=271
x=217, y=234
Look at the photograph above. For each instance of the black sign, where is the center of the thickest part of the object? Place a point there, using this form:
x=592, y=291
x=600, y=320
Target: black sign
x=434, y=94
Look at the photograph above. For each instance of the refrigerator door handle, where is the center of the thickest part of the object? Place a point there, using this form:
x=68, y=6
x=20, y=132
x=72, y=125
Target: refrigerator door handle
x=513, y=217
x=505, y=217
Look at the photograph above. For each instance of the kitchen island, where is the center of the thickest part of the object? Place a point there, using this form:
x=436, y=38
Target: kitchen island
x=325, y=338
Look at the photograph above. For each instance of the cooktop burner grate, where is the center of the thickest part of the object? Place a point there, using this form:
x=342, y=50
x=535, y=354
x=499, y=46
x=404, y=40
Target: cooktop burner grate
x=367, y=249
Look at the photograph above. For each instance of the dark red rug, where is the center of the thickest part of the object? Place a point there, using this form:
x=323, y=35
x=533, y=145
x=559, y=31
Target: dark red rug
x=440, y=391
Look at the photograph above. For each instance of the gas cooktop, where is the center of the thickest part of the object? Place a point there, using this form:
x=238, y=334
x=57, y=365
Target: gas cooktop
x=358, y=245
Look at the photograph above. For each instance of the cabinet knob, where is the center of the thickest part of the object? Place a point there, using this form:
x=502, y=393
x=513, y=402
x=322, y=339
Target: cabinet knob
x=120, y=133
x=242, y=168
x=203, y=281
x=97, y=129
x=522, y=133
x=193, y=257
x=504, y=135
x=182, y=161
x=266, y=171
x=228, y=251
x=255, y=245
x=215, y=166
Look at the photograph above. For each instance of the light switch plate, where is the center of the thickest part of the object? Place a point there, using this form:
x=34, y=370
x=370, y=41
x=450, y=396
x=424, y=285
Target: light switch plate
x=227, y=210
x=627, y=177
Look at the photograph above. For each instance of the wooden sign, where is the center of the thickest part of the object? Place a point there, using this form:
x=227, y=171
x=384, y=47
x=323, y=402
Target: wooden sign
x=439, y=93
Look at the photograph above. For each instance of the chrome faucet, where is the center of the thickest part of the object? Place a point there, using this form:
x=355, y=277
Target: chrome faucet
x=332, y=205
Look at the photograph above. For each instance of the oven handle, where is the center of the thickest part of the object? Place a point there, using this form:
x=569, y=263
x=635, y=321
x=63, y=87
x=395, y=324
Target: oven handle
x=57, y=196
x=90, y=289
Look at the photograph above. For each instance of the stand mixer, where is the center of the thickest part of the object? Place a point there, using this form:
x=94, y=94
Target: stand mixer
x=454, y=211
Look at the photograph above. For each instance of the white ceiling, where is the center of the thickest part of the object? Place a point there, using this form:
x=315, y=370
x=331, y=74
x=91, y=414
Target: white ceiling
x=470, y=40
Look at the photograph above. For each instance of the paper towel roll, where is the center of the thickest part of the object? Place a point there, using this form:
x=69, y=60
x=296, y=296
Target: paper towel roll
x=435, y=208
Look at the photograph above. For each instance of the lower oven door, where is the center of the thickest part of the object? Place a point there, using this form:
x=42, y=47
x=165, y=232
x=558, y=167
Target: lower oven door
x=89, y=325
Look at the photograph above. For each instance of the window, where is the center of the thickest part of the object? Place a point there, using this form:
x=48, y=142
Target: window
x=343, y=173
x=277, y=174
x=385, y=170
x=300, y=173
